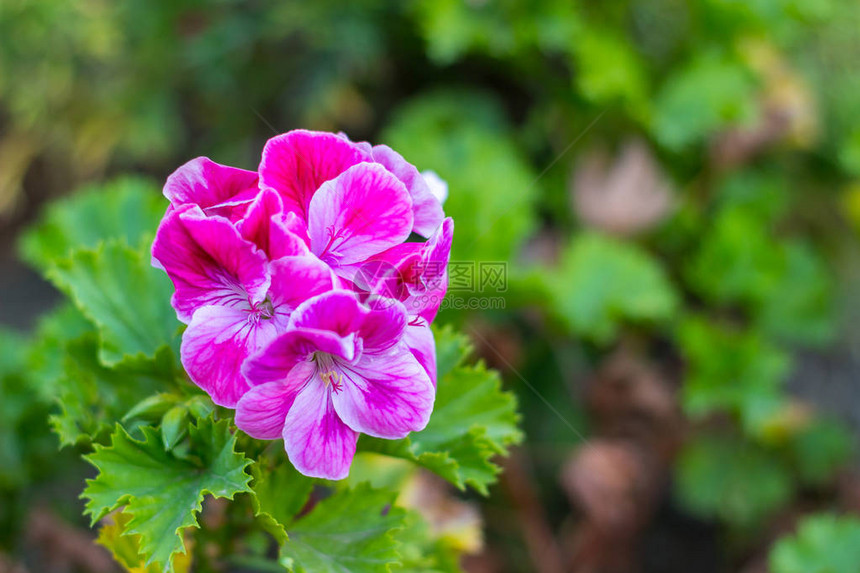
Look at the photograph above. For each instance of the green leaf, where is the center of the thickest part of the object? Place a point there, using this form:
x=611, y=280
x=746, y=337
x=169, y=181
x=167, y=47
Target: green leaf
x=421, y=551
x=161, y=492
x=280, y=492
x=173, y=426
x=92, y=398
x=351, y=531
x=801, y=308
x=125, y=547
x=732, y=480
x=784, y=284
x=821, y=449
x=127, y=208
x=602, y=282
x=123, y=295
x=732, y=370
x=823, y=543
x=608, y=69
x=46, y=356
x=473, y=420
x=23, y=443
x=709, y=93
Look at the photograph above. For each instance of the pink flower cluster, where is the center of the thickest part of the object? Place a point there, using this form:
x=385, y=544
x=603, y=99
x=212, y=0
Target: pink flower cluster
x=307, y=309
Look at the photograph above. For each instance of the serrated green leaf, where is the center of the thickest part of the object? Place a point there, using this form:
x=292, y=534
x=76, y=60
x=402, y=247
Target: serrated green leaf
x=602, y=282
x=162, y=492
x=350, y=532
x=473, y=420
x=823, y=543
x=92, y=398
x=127, y=208
x=126, y=298
x=452, y=349
x=279, y=494
x=125, y=547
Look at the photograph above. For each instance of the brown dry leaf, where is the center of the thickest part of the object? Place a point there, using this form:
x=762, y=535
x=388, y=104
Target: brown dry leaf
x=7, y=565
x=630, y=398
x=606, y=479
x=625, y=195
x=65, y=545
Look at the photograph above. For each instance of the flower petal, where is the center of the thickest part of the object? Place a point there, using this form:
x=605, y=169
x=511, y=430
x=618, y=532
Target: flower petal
x=385, y=395
x=383, y=326
x=296, y=163
x=288, y=237
x=208, y=262
x=217, y=342
x=418, y=338
x=434, y=272
x=361, y=213
x=317, y=442
x=337, y=311
x=211, y=186
x=262, y=411
x=296, y=279
x=426, y=206
x=275, y=362
x=263, y=225
x=438, y=186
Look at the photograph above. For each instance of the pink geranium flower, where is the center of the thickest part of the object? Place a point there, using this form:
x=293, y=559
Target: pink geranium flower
x=341, y=369
x=306, y=308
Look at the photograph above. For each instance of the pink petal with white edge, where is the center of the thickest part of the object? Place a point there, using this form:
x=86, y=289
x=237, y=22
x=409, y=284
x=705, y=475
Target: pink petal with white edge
x=418, y=338
x=317, y=442
x=297, y=163
x=384, y=324
x=438, y=186
x=275, y=362
x=434, y=275
x=264, y=225
x=365, y=211
x=426, y=207
x=262, y=411
x=297, y=279
x=384, y=395
x=288, y=236
x=217, y=342
x=208, y=262
x=338, y=311
x=211, y=186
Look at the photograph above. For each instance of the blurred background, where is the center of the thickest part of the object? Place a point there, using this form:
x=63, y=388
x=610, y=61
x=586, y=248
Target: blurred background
x=659, y=202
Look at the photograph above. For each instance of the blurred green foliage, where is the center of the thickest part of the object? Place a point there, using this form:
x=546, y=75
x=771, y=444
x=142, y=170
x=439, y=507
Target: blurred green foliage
x=824, y=543
x=748, y=108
